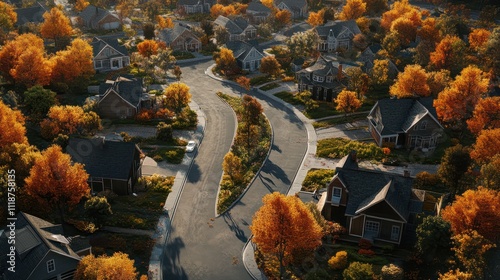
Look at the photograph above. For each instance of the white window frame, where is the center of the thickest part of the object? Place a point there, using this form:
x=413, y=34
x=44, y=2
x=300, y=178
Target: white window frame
x=394, y=236
x=423, y=125
x=371, y=224
x=51, y=264
x=98, y=64
x=336, y=198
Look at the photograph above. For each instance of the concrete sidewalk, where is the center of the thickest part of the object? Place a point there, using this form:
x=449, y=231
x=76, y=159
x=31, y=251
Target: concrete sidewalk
x=164, y=226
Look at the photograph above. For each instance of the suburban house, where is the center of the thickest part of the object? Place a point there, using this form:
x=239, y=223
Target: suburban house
x=238, y=28
x=376, y=205
x=33, y=14
x=247, y=54
x=405, y=123
x=298, y=8
x=122, y=97
x=99, y=19
x=324, y=79
x=109, y=54
x=337, y=35
x=180, y=38
x=257, y=12
x=111, y=165
x=41, y=250
x=367, y=59
x=195, y=6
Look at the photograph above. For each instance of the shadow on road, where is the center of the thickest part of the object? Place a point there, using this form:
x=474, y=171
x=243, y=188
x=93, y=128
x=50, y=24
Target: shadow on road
x=194, y=174
x=276, y=148
x=266, y=182
x=171, y=260
x=276, y=171
x=234, y=227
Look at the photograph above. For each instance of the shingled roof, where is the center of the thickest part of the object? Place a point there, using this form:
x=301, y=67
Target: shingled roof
x=169, y=35
x=33, y=14
x=99, y=43
x=127, y=86
x=337, y=27
x=294, y=5
x=102, y=158
x=257, y=7
x=235, y=25
x=35, y=237
x=241, y=48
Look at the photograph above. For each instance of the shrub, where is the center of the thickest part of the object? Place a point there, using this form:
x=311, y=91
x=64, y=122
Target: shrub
x=366, y=252
x=175, y=155
x=339, y=261
x=318, y=274
x=164, y=132
x=364, y=243
x=157, y=158
x=108, y=194
x=316, y=179
x=358, y=271
x=392, y=272
x=339, y=147
x=288, y=79
x=425, y=180
x=158, y=183
x=144, y=115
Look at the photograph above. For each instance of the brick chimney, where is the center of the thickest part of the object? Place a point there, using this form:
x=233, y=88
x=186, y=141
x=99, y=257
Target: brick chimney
x=353, y=155
x=406, y=173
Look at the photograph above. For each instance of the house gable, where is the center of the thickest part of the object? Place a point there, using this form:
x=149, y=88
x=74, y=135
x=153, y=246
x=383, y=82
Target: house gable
x=63, y=264
x=253, y=54
x=107, y=52
x=382, y=210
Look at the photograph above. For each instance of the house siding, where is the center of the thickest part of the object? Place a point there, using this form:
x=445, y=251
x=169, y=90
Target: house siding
x=180, y=43
x=432, y=130
x=63, y=265
x=356, y=225
x=109, y=22
x=113, y=107
x=385, y=229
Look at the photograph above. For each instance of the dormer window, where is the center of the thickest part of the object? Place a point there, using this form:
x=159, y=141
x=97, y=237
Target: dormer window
x=336, y=195
x=329, y=79
x=51, y=266
x=317, y=78
x=423, y=125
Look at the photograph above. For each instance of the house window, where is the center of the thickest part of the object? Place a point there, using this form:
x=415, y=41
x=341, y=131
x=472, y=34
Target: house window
x=395, y=233
x=115, y=63
x=423, y=125
x=51, y=266
x=372, y=228
x=336, y=195
x=98, y=64
x=329, y=79
x=318, y=78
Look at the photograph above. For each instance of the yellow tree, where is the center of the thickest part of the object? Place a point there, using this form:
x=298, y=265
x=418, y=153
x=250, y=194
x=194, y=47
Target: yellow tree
x=176, y=96
x=284, y=225
x=74, y=63
x=487, y=145
x=456, y=103
x=316, y=19
x=115, y=267
x=56, y=182
x=225, y=61
x=12, y=50
x=283, y=17
x=406, y=30
x=11, y=126
x=429, y=31
x=80, y=5
x=486, y=115
x=8, y=17
x=398, y=9
x=164, y=22
x=55, y=25
x=232, y=166
x=438, y=81
x=470, y=249
x=353, y=9
x=69, y=120
x=347, y=102
x=147, y=48
x=478, y=38
x=475, y=210
x=449, y=54
x=380, y=72
x=412, y=82
x=32, y=68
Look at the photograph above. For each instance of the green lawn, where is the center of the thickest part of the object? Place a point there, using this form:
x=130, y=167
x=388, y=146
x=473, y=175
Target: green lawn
x=317, y=179
x=270, y=86
x=169, y=154
x=337, y=121
x=260, y=80
x=340, y=147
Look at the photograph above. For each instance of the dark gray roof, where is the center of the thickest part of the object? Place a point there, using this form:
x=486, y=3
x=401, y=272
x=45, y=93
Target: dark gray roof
x=241, y=49
x=195, y=2
x=257, y=7
x=34, y=238
x=294, y=5
x=235, y=25
x=32, y=14
x=93, y=14
x=302, y=27
x=368, y=187
x=127, y=86
x=99, y=43
x=168, y=35
x=398, y=115
x=103, y=159
x=337, y=27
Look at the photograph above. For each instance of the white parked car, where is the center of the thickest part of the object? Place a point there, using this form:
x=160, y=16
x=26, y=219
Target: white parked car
x=190, y=146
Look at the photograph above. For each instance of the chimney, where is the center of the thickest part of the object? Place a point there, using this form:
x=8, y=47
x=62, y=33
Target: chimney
x=353, y=155
x=406, y=173
x=339, y=73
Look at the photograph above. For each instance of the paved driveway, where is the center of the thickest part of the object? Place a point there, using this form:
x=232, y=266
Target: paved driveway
x=202, y=246
x=355, y=131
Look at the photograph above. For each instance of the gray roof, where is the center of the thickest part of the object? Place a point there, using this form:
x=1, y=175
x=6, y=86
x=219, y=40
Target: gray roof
x=235, y=25
x=322, y=67
x=93, y=14
x=292, y=4
x=34, y=238
x=369, y=187
x=169, y=35
x=99, y=43
x=127, y=86
x=32, y=14
x=398, y=115
x=195, y=2
x=337, y=27
x=241, y=49
x=301, y=27
x=102, y=158
x=257, y=7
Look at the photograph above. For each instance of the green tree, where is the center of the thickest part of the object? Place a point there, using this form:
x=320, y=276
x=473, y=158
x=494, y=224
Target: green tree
x=306, y=98
x=38, y=101
x=454, y=166
x=434, y=238
x=358, y=271
x=303, y=43
x=98, y=208
x=164, y=132
x=470, y=248
x=490, y=174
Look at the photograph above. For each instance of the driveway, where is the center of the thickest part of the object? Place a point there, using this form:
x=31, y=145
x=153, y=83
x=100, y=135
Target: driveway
x=357, y=130
x=202, y=246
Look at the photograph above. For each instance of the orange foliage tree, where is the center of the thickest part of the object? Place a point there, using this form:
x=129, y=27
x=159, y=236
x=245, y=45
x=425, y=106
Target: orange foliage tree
x=438, y=81
x=316, y=19
x=283, y=17
x=11, y=126
x=406, y=29
x=269, y=65
x=32, y=68
x=284, y=225
x=147, y=48
x=486, y=115
x=176, y=97
x=478, y=38
x=225, y=61
x=487, y=145
x=353, y=9
x=69, y=120
x=347, y=102
x=412, y=82
x=8, y=16
x=475, y=210
x=74, y=63
x=56, y=182
x=117, y=266
x=164, y=22
x=233, y=168
x=449, y=54
x=216, y=10
x=456, y=103
x=398, y=9
x=12, y=50
x=80, y=5
x=244, y=82
x=429, y=31
x=55, y=25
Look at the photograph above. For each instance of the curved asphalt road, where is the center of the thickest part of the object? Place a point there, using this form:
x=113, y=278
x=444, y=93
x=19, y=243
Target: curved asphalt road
x=202, y=246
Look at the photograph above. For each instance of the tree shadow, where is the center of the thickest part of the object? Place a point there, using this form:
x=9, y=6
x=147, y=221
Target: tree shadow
x=234, y=227
x=194, y=173
x=276, y=148
x=266, y=182
x=172, y=269
x=276, y=171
